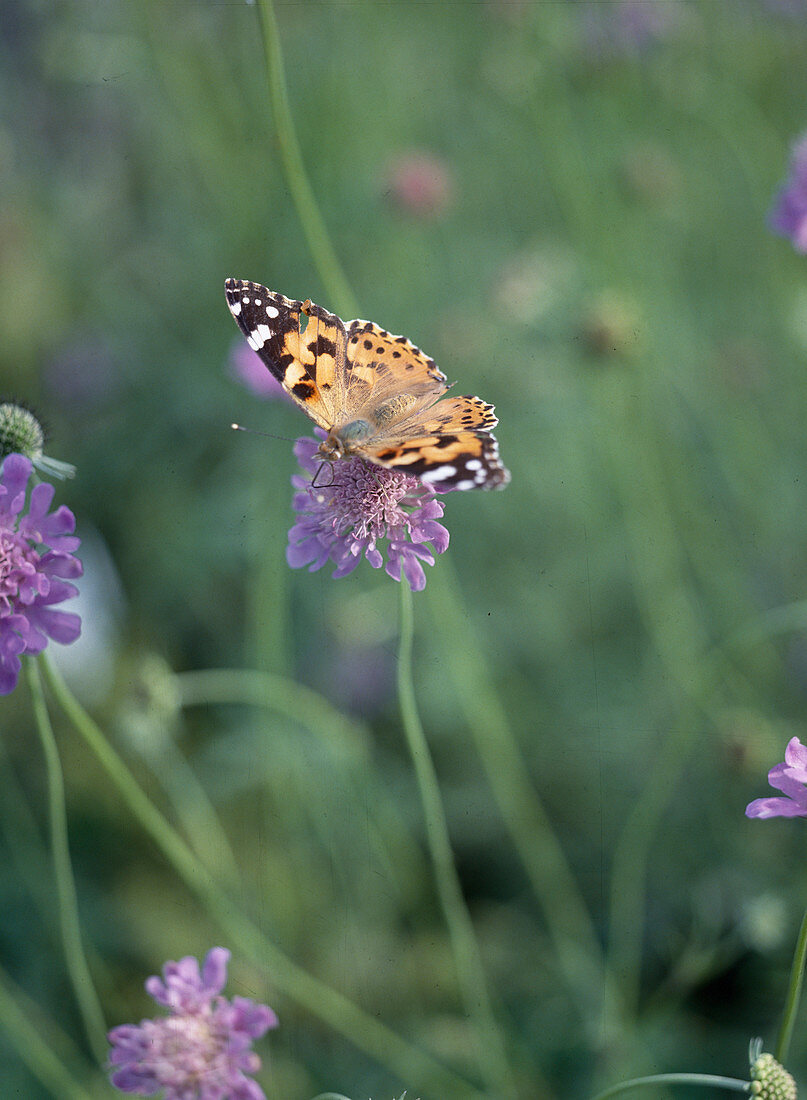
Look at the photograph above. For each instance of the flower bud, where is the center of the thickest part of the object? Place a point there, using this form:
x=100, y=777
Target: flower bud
x=770, y=1080
x=22, y=434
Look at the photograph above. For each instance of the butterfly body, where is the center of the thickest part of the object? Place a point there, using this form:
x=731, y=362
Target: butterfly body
x=376, y=395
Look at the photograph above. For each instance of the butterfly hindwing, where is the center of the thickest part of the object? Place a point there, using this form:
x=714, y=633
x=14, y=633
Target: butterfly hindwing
x=448, y=416
x=455, y=460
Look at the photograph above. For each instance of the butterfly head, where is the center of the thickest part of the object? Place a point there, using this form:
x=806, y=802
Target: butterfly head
x=346, y=440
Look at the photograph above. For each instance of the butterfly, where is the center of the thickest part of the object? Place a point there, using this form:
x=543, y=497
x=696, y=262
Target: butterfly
x=376, y=395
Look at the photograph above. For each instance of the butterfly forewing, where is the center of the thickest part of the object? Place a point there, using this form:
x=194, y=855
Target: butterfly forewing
x=271, y=324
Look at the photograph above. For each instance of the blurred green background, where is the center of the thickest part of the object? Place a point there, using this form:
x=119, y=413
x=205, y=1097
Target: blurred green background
x=563, y=203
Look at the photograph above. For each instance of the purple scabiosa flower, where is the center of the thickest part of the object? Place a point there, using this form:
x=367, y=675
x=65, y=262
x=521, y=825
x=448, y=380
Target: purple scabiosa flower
x=36, y=563
x=363, y=504
x=790, y=778
x=788, y=217
x=248, y=368
x=202, y=1050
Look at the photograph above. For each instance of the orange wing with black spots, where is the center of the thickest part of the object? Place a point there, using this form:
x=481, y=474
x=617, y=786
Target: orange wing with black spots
x=309, y=362
x=380, y=365
x=448, y=460
x=377, y=395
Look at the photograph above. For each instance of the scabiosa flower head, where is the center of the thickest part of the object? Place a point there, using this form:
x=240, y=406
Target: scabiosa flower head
x=788, y=217
x=789, y=778
x=201, y=1051
x=364, y=504
x=769, y=1078
x=36, y=563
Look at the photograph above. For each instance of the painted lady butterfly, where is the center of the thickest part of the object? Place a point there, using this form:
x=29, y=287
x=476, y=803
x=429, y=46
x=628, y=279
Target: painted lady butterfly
x=376, y=395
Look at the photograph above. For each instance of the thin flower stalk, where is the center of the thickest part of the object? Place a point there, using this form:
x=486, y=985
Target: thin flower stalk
x=470, y=971
x=75, y=959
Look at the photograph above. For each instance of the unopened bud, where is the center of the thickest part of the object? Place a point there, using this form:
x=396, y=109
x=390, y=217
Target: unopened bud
x=22, y=434
x=770, y=1080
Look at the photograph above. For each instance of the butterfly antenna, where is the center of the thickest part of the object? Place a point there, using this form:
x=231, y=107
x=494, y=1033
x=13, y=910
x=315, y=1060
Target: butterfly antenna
x=255, y=431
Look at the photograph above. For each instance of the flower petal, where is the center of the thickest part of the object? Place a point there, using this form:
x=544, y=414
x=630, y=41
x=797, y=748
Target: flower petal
x=214, y=970
x=775, y=807
x=796, y=759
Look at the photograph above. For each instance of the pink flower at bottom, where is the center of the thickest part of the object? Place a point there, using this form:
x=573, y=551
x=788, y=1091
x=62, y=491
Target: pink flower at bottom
x=791, y=779
x=202, y=1050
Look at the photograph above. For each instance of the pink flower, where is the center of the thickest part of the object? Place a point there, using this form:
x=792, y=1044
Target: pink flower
x=362, y=505
x=201, y=1051
x=790, y=778
x=36, y=563
x=420, y=184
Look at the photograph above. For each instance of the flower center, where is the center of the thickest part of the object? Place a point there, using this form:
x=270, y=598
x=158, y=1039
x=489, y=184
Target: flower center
x=188, y=1050
x=18, y=571
x=368, y=497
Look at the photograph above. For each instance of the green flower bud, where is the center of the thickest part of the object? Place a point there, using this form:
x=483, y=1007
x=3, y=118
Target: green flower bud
x=22, y=434
x=770, y=1080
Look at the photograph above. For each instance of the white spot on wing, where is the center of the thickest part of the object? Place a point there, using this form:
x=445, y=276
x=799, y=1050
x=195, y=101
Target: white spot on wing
x=235, y=308
x=272, y=311
x=473, y=464
x=439, y=473
x=259, y=336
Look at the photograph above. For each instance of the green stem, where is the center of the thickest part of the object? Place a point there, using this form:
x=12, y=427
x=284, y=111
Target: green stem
x=339, y=1013
x=709, y=1080
x=86, y=997
x=567, y=918
x=36, y=1052
x=793, y=994
x=473, y=985
x=316, y=234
